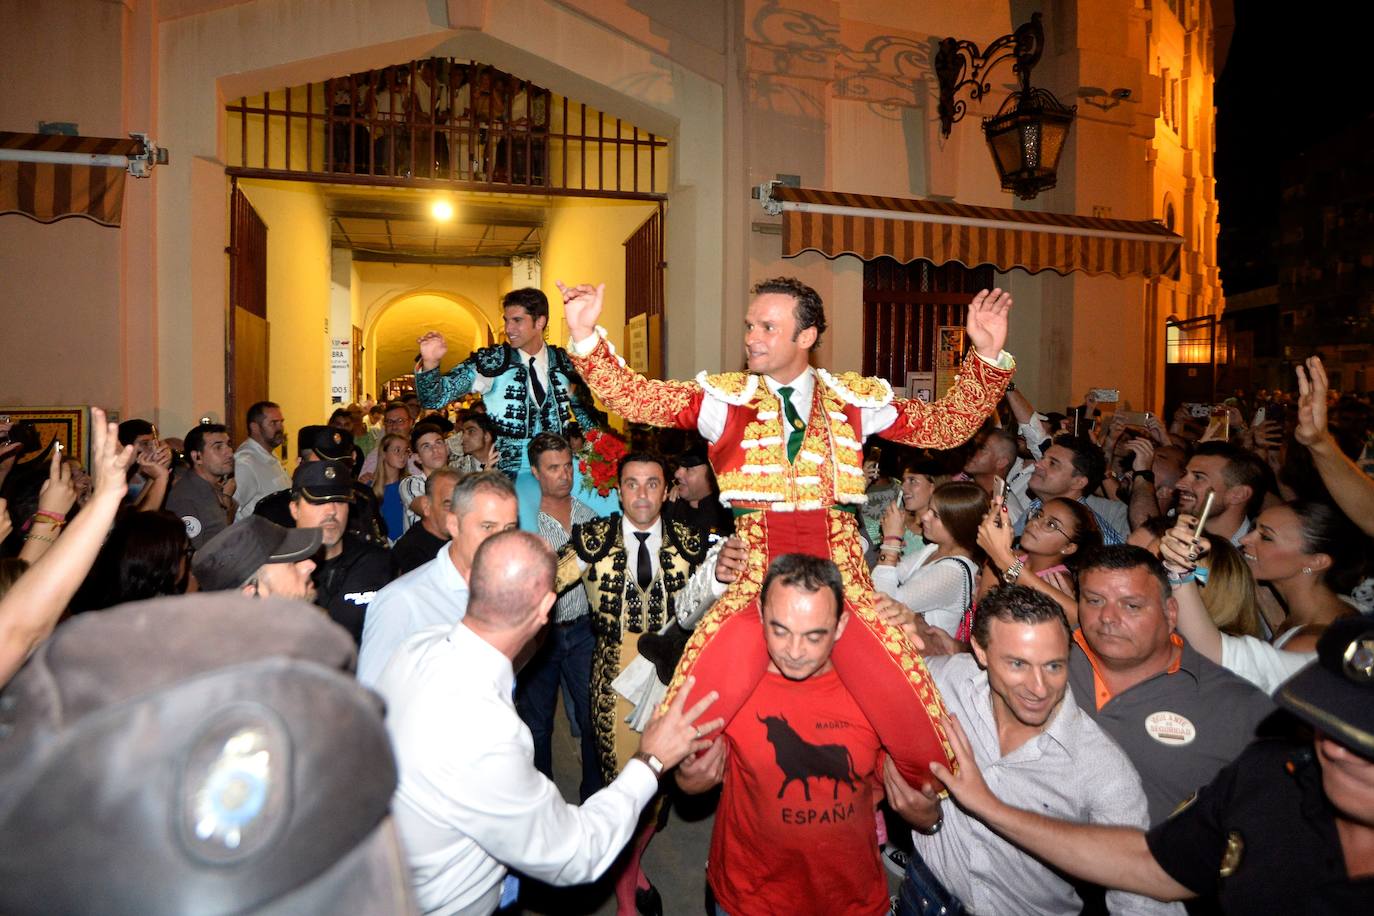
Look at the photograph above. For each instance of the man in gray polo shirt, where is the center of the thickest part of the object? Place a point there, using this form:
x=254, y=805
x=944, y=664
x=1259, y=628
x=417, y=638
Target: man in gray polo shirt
x=204, y=498
x=1179, y=717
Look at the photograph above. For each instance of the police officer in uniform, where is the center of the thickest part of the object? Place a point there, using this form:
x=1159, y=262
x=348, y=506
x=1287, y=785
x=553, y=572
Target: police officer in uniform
x=1288, y=827
x=348, y=569
x=325, y=443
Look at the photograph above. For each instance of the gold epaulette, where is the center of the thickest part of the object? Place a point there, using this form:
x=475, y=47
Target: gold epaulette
x=859, y=390
x=735, y=388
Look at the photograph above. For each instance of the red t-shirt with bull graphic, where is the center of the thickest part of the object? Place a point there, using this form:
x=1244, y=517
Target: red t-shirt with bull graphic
x=795, y=830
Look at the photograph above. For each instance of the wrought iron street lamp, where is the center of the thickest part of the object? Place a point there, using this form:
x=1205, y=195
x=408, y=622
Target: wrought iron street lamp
x=1027, y=135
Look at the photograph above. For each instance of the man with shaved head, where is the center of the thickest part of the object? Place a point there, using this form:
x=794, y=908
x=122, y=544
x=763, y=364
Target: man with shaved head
x=470, y=804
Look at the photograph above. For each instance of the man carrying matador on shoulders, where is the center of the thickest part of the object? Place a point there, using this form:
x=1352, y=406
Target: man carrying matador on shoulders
x=786, y=444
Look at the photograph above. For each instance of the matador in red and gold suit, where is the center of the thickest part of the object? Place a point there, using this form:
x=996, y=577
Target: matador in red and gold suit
x=786, y=445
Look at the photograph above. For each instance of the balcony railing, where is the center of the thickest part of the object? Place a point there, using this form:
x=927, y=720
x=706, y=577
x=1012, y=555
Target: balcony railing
x=443, y=122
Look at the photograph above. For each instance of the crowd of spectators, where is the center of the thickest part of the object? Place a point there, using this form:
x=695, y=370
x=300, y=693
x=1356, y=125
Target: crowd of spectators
x=1106, y=650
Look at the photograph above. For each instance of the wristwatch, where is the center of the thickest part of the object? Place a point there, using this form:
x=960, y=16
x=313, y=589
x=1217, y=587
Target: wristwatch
x=650, y=761
x=1145, y=475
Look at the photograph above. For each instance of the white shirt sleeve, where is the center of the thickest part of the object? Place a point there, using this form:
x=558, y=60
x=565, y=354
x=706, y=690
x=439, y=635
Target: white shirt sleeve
x=940, y=592
x=1260, y=663
x=518, y=817
x=247, y=487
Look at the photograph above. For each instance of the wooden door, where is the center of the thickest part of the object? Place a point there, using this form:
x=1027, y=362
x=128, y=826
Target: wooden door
x=248, y=332
x=905, y=305
x=644, y=290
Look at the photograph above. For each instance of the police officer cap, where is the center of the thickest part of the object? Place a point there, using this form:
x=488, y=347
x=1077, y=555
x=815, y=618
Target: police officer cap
x=322, y=482
x=325, y=442
x=199, y=754
x=230, y=558
x=1336, y=692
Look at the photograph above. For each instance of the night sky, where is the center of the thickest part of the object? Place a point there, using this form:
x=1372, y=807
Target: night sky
x=1287, y=85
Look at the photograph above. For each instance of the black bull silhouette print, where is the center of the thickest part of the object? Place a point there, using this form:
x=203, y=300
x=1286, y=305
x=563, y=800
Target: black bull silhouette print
x=802, y=761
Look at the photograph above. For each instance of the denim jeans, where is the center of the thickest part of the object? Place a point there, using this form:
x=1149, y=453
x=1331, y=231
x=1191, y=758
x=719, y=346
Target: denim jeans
x=922, y=894
x=566, y=657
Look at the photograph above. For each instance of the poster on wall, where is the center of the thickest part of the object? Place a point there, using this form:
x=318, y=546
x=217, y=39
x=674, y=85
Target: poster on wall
x=949, y=349
x=340, y=371
x=41, y=425
x=921, y=386
x=637, y=343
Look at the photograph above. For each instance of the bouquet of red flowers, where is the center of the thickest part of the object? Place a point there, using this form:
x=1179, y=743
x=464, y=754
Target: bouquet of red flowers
x=599, y=461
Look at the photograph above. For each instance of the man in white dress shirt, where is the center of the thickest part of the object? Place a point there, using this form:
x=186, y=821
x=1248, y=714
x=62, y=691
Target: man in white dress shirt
x=470, y=803
x=257, y=472
x=437, y=592
x=1037, y=747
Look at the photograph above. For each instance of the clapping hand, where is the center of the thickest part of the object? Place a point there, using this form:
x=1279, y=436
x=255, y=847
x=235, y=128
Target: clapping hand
x=987, y=322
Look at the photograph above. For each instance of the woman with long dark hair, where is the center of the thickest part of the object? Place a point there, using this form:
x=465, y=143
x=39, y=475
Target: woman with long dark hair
x=938, y=580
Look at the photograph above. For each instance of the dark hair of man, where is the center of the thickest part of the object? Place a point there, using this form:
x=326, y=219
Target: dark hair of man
x=546, y=442
x=1243, y=469
x=445, y=473
x=1325, y=529
x=395, y=405
x=807, y=573
x=482, y=422
x=195, y=439
x=483, y=481
x=1016, y=604
x=434, y=418
x=1126, y=557
x=807, y=310
x=530, y=299
x=130, y=430
x=1087, y=534
x=511, y=572
x=961, y=506
x=257, y=412
x=423, y=429
x=642, y=458
x=1088, y=460
x=341, y=413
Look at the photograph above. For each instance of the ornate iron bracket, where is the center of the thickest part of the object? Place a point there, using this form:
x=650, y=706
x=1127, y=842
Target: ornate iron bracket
x=957, y=55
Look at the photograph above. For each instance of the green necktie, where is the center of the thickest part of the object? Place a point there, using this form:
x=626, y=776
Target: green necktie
x=796, y=428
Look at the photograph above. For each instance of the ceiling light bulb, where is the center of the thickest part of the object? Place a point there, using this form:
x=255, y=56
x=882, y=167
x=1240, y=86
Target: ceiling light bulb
x=442, y=210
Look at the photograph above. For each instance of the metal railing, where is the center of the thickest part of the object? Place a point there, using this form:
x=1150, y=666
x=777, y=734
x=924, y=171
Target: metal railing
x=441, y=121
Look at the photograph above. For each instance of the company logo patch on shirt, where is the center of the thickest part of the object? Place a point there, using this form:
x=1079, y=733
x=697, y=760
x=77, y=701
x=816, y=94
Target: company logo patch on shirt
x=360, y=597
x=1170, y=728
x=193, y=527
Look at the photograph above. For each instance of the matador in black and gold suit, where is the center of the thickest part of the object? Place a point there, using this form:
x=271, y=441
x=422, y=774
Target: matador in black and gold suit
x=622, y=612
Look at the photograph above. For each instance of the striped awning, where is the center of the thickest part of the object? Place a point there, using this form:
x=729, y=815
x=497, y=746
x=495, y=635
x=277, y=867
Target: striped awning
x=834, y=223
x=48, y=192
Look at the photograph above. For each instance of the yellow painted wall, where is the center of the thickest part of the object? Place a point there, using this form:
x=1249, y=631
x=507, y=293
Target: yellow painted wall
x=585, y=243
x=297, y=297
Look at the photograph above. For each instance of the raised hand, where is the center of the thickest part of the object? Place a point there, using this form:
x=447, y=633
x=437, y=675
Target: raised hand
x=157, y=462
x=673, y=734
x=6, y=526
x=432, y=350
x=57, y=494
x=893, y=522
x=1311, y=402
x=109, y=462
x=987, y=322
x=1142, y=454
x=1179, y=549
x=581, y=308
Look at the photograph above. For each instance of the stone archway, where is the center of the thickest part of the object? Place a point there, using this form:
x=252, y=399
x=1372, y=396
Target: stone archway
x=390, y=329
